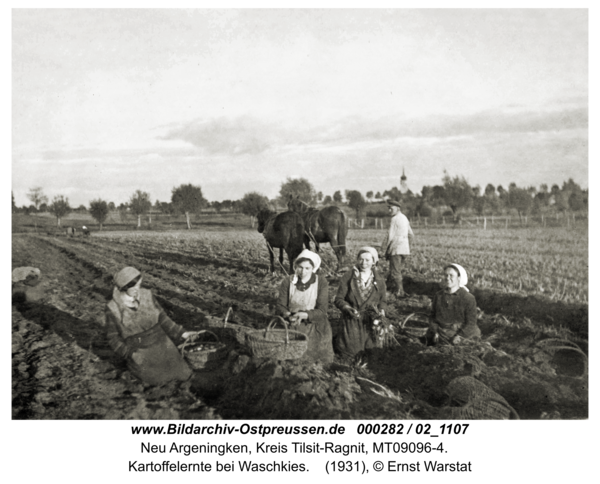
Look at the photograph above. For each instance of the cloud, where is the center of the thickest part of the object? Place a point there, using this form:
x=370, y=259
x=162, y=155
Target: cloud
x=250, y=136
x=239, y=136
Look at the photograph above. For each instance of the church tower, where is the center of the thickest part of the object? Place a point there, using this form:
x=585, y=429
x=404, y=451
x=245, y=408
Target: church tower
x=403, y=184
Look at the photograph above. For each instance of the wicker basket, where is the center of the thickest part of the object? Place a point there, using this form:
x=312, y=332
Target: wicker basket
x=552, y=345
x=200, y=353
x=278, y=344
x=415, y=324
x=228, y=330
x=479, y=402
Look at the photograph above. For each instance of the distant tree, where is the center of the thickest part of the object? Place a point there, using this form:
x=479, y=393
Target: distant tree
x=187, y=199
x=519, y=199
x=99, y=211
x=393, y=194
x=111, y=206
x=236, y=206
x=59, y=207
x=337, y=197
x=378, y=196
x=561, y=201
x=479, y=204
x=426, y=193
x=457, y=192
x=226, y=204
x=574, y=195
x=140, y=203
x=37, y=197
x=297, y=187
x=439, y=195
x=355, y=201
x=254, y=202
x=217, y=206
x=327, y=200
x=576, y=201
x=490, y=191
x=320, y=196
x=491, y=198
x=502, y=196
x=167, y=208
x=14, y=207
x=81, y=209
x=370, y=195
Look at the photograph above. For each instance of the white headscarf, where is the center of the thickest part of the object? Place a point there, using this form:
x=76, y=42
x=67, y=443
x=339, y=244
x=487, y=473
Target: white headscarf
x=310, y=255
x=463, y=276
x=371, y=251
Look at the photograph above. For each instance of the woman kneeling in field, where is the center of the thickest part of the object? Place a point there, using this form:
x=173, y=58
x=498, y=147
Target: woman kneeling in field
x=361, y=298
x=139, y=330
x=454, y=315
x=303, y=299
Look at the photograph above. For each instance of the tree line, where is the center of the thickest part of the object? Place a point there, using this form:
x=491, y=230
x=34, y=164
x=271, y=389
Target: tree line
x=454, y=192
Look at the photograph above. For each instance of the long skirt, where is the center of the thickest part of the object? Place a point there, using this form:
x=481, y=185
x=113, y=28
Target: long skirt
x=156, y=360
x=354, y=337
x=319, y=334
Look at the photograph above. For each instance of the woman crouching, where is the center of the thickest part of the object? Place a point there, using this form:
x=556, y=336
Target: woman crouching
x=303, y=299
x=454, y=310
x=361, y=296
x=139, y=331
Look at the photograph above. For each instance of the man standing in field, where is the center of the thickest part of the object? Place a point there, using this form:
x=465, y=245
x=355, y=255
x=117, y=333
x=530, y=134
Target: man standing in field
x=395, y=247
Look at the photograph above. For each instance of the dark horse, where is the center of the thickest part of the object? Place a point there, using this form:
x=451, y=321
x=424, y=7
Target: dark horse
x=282, y=231
x=327, y=225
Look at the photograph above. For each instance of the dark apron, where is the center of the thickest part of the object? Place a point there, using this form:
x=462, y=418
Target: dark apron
x=156, y=360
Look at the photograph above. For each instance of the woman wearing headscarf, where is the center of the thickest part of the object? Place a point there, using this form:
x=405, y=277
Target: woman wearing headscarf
x=361, y=297
x=139, y=331
x=303, y=299
x=454, y=309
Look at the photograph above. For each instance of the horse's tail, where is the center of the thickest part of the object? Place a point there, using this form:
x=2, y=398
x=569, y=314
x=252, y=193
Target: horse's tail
x=342, y=232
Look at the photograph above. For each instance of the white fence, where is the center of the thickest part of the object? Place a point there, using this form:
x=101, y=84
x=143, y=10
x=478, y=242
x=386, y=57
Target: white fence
x=564, y=219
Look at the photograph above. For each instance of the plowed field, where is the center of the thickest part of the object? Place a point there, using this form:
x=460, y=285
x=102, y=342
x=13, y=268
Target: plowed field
x=63, y=368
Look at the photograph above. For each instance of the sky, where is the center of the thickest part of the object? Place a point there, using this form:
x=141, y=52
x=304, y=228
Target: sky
x=107, y=102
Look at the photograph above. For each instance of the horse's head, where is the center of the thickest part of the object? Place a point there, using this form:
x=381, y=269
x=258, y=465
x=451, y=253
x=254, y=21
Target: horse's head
x=262, y=218
x=296, y=205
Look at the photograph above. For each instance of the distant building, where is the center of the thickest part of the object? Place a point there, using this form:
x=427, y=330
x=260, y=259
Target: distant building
x=403, y=185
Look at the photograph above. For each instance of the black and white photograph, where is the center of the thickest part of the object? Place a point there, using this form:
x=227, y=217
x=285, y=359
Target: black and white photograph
x=301, y=214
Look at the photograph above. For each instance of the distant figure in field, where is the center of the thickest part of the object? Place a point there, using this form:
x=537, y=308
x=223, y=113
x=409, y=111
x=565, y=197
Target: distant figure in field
x=139, y=331
x=70, y=231
x=303, y=299
x=395, y=247
x=454, y=313
x=85, y=230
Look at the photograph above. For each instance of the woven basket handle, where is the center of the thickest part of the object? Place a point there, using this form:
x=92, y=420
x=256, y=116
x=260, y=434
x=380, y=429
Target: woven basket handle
x=189, y=339
x=411, y=316
x=285, y=325
x=229, y=311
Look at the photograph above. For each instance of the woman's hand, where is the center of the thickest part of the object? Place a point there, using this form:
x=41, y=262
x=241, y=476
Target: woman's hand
x=350, y=311
x=190, y=334
x=137, y=358
x=298, y=317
